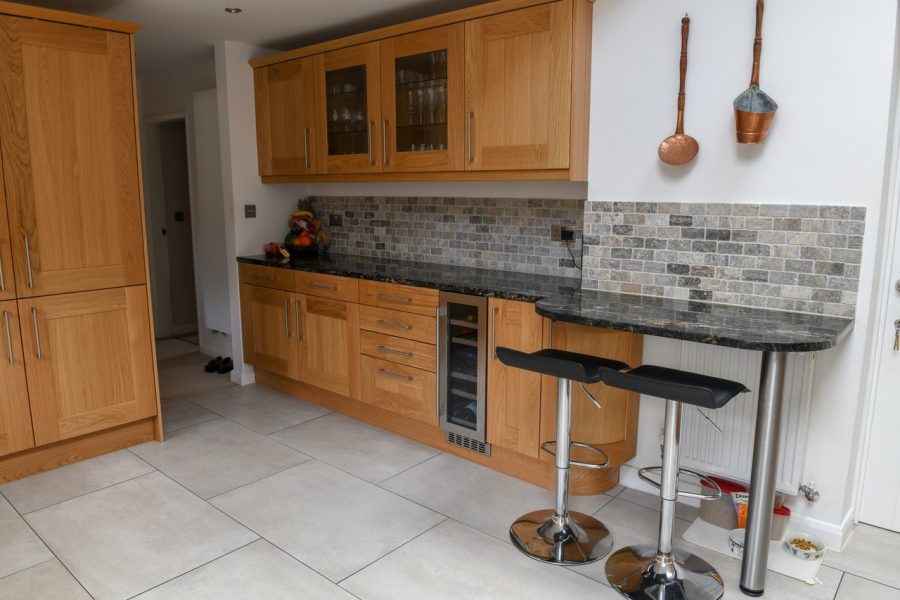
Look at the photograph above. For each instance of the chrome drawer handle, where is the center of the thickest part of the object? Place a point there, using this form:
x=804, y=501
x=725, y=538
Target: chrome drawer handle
x=28, y=262
x=404, y=326
x=390, y=298
x=395, y=375
x=37, y=334
x=263, y=277
x=9, y=348
x=387, y=350
x=322, y=286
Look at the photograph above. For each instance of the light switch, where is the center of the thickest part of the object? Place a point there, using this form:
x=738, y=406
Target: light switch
x=249, y=211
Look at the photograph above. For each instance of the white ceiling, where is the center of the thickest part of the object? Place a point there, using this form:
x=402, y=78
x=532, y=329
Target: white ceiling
x=183, y=30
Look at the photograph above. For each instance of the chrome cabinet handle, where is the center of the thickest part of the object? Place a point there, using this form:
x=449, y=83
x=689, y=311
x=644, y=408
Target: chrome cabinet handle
x=390, y=298
x=404, y=326
x=9, y=348
x=384, y=143
x=494, y=332
x=263, y=277
x=469, y=154
x=322, y=286
x=2, y=277
x=299, y=326
x=437, y=369
x=897, y=335
x=287, y=318
x=28, y=262
x=37, y=334
x=387, y=350
x=371, y=150
x=395, y=375
x=306, y=146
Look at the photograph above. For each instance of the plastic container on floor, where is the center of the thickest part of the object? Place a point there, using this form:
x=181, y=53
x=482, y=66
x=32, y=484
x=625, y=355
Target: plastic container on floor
x=721, y=512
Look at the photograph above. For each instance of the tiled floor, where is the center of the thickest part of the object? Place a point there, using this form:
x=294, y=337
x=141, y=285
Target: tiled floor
x=255, y=495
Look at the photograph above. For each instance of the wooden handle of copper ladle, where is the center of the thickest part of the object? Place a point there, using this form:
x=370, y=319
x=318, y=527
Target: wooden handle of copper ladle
x=685, y=31
x=757, y=42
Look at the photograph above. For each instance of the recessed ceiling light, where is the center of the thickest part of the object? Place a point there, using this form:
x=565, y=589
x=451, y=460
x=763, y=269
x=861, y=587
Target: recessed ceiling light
x=233, y=11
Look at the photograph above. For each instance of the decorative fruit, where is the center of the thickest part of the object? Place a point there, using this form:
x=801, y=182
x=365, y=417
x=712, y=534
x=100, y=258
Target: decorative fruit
x=306, y=234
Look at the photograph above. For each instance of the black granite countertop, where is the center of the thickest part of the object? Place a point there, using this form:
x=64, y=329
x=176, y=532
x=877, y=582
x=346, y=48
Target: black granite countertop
x=703, y=322
x=446, y=278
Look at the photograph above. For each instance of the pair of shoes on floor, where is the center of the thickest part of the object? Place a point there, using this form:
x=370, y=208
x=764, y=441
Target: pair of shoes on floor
x=219, y=365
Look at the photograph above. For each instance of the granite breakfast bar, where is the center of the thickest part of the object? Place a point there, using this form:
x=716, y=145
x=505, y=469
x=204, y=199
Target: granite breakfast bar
x=774, y=333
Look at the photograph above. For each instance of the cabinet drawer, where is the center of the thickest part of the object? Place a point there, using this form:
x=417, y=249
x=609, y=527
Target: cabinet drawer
x=400, y=389
x=407, y=298
x=399, y=350
x=270, y=277
x=400, y=324
x=328, y=286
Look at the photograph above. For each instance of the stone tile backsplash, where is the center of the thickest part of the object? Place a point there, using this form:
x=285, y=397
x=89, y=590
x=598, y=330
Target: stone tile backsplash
x=803, y=258
x=493, y=233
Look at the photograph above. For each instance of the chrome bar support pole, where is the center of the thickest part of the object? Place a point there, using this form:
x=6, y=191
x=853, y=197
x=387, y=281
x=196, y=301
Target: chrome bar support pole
x=762, y=475
x=669, y=479
x=563, y=442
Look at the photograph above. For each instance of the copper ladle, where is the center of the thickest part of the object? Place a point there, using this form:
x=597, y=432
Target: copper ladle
x=680, y=149
x=754, y=109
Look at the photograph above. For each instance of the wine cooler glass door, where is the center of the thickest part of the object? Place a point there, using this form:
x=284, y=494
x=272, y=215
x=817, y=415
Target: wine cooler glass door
x=463, y=347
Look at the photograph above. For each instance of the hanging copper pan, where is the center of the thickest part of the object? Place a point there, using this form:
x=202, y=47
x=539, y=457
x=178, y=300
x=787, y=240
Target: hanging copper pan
x=680, y=148
x=754, y=109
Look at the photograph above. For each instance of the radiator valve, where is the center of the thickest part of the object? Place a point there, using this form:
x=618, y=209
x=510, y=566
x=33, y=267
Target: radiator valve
x=810, y=492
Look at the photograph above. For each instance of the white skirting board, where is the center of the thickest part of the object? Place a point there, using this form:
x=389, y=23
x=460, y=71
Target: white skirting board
x=715, y=538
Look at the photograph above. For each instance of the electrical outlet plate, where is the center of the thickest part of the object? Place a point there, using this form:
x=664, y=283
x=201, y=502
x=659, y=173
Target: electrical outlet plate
x=561, y=233
x=249, y=211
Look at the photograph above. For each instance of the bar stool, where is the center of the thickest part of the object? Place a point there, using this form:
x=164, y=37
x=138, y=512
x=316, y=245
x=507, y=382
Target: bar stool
x=662, y=572
x=560, y=536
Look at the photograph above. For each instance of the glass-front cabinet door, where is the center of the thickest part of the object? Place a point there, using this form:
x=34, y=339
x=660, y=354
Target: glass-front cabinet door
x=422, y=87
x=350, y=110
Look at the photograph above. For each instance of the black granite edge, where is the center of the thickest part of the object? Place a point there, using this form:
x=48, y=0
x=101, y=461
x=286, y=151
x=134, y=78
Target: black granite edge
x=508, y=285
x=707, y=323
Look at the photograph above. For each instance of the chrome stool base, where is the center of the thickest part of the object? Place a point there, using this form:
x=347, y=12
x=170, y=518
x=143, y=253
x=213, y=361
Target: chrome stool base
x=639, y=573
x=575, y=539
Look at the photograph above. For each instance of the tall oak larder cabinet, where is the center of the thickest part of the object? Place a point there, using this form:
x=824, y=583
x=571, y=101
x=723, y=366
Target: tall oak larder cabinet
x=79, y=375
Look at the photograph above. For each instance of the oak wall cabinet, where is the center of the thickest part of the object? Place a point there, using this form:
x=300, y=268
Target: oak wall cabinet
x=79, y=376
x=496, y=91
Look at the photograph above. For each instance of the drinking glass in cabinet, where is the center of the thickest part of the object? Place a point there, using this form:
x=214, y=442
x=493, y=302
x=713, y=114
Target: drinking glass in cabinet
x=346, y=105
x=421, y=93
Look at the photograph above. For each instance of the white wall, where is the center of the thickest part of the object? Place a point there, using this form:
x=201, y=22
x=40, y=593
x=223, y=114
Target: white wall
x=829, y=67
x=171, y=89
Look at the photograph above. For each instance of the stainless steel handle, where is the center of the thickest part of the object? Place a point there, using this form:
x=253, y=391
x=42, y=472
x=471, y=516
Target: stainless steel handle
x=28, y=262
x=387, y=350
x=37, y=334
x=390, y=298
x=371, y=150
x=263, y=277
x=403, y=326
x=2, y=277
x=287, y=318
x=9, y=348
x=322, y=286
x=306, y=146
x=384, y=143
x=494, y=332
x=470, y=156
x=897, y=335
x=395, y=375
x=297, y=308
x=437, y=373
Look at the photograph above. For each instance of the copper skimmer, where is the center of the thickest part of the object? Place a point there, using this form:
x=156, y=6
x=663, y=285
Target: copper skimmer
x=680, y=149
x=754, y=109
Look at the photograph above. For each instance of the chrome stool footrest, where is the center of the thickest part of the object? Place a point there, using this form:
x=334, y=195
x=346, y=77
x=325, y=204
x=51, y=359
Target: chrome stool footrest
x=715, y=495
x=601, y=465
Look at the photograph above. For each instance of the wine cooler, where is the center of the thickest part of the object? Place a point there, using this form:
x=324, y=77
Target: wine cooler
x=462, y=369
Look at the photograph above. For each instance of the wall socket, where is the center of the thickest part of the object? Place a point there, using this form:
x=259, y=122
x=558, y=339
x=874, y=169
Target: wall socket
x=249, y=211
x=559, y=233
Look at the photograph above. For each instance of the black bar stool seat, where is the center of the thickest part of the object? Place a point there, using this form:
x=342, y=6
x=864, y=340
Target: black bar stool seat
x=681, y=386
x=573, y=366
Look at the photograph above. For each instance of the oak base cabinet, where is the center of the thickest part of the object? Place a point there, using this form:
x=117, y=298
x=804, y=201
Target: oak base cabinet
x=15, y=415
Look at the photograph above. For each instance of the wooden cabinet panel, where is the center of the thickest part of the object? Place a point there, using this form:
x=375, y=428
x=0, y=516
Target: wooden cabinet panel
x=399, y=350
x=285, y=117
x=7, y=277
x=614, y=428
x=70, y=157
x=400, y=389
x=328, y=286
x=349, y=110
x=89, y=361
x=514, y=395
x=422, y=101
x=407, y=298
x=15, y=415
x=519, y=88
x=398, y=324
x=271, y=277
x=329, y=345
x=269, y=322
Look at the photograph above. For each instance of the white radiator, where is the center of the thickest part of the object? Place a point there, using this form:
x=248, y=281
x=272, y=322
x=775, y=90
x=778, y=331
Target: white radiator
x=209, y=229
x=731, y=453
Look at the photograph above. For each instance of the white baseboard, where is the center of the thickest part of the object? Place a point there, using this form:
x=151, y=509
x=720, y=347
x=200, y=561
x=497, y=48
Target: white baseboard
x=245, y=376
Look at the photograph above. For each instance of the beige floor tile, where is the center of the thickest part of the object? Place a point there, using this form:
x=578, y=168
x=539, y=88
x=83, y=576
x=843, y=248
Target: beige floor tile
x=258, y=571
x=217, y=456
x=477, y=496
x=259, y=408
x=50, y=487
x=46, y=581
x=171, y=347
x=329, y=520
x=455, y=561
x=179, y=414
x=20, y=548
x=857, y=588
x=356, y=447
x=125, y=539
x=872, y=553
x=183, y=377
